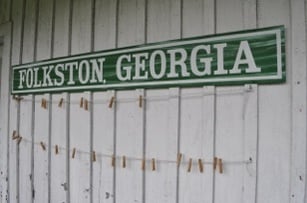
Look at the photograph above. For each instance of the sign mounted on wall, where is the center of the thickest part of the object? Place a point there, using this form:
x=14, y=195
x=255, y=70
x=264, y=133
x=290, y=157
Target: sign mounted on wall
x=255, y=56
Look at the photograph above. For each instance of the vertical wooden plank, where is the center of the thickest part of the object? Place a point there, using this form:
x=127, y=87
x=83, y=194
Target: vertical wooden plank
x=103, y=145
x=275, y=117
x=161, y=144
x=131, y=22
x=103, y=121
x=58, y=169
x=5, y=32
x=129, y=143
x=41, y=126
x=40, y=154
x=79, y=123
x=5, y=11
x=26, y=192
x=235, y=113
x=299, y=120
x=17, y=13
x=197, y=17
x=197, y=114
x=250, y=139
x=105, y=24
x=129, y=116
x=229, y=145
x=197, y=142
x=163, y=23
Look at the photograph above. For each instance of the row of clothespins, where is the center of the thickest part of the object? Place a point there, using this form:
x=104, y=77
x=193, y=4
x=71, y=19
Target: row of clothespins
x=217, y=162
x=84, y=103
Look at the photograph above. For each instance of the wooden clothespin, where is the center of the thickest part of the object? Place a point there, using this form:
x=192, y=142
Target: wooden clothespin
x=14, y=136
x=61, y=102
x=214, y=163
x=44, y=103
x=220, y=163
x=86, y=104
x=113, y=161
x=140, y=101
x=153, y=164
x=73, y=153
x=124, y=161
x=179, y=157
x=81, y=102
x=19, y=140
x=143, y=164
x=111, y=102
x=190, y=165
x=200, y=165
x=94, y=156
x=43, y=146
x=56, y=149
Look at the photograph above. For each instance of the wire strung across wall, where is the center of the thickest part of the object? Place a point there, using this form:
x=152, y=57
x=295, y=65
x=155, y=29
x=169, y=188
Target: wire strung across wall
x=83, y=102
x=217, y=163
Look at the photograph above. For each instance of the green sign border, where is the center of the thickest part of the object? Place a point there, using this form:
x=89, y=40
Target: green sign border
x=280, y=76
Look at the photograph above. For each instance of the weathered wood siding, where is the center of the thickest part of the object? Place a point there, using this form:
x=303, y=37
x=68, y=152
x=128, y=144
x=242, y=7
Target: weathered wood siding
x=258, y=130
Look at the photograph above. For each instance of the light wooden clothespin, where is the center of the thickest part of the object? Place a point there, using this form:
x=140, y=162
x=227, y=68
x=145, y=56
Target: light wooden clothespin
x=44, y=103
x=179, y=157
x=19, y=140
x=113, y=161
x=140, y=101
x=153, y=164
x=86, y=104
x=111, y=102
x=200, y=165
x=43, y=146
x=81, y=102
x=94, y=156
x=73, y=153
x=190, y=165
x=143, y=164
x=124, y=161
x=56, y=149
x=61, y=102
x=220, y=163
x=14, y=136
x=214, y=163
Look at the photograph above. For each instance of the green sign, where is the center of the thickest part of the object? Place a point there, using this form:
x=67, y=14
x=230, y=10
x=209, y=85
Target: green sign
x=255, y=56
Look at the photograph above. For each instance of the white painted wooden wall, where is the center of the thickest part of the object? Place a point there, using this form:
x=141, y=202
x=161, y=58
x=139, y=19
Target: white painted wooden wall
x=258, y=131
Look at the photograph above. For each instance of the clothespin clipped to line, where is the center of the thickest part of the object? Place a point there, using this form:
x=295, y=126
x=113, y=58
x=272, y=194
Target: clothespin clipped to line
x=140, y=101
x=56, y=149
x=200, y=165
x=73, y=153
x=153, y=164
x=43, y=146
x=190, y=165
x=218, y=162
x=44, y=103
x=94, y=156
x=143, y=164
x=113, y=161
x=179, y=157
x=61, y=102
x=124, y=161
x=16, y=137
x=84, y=103
x=112, y=100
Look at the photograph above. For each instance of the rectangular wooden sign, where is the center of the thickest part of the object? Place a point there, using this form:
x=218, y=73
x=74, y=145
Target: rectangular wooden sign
x=253, y=56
